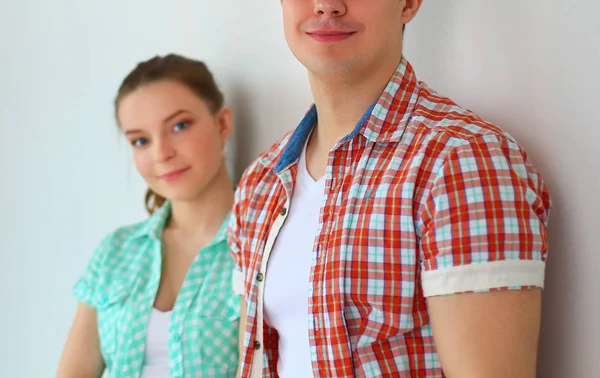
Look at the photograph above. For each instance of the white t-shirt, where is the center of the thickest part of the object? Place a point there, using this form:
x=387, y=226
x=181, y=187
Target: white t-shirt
x=288, y=273
x=156, y=357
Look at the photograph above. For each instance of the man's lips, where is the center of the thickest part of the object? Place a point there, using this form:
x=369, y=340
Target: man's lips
x=330, y=35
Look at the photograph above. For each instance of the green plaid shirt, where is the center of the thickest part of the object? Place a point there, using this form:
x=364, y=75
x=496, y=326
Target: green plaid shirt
x=121, y=282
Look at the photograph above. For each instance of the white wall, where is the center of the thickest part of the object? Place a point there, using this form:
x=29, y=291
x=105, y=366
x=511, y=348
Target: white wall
x=533, y=68
x=66, y=179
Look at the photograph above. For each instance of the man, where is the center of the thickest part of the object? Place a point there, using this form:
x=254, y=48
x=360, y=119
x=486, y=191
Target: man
x=392, y=233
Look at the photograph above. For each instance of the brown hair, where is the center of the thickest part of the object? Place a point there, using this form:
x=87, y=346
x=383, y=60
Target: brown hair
x=192, y=73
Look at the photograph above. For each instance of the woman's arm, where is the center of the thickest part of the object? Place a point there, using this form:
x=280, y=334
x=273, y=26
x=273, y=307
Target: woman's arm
x=487, y=335
x=242, y=332
x=81, y=356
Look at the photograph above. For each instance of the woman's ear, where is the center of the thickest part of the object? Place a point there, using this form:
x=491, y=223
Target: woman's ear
x=224, y=119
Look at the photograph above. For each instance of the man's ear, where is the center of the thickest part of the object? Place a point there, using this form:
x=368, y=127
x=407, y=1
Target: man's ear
x=410, y=10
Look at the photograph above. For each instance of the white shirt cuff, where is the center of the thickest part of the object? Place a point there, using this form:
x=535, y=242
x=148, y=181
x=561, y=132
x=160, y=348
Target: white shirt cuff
x=483, y=276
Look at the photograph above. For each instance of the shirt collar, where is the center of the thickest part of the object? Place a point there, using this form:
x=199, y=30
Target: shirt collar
x=383, y=122
x=222, y=233
x=154, y=225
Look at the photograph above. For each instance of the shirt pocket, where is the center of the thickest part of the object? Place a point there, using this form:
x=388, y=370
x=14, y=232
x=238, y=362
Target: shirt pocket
x=217, y=326
x=110, y=314
x=221, y=305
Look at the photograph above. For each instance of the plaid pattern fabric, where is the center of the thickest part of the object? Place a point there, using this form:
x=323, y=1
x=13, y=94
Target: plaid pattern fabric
x=424, y=198
x=121, y=281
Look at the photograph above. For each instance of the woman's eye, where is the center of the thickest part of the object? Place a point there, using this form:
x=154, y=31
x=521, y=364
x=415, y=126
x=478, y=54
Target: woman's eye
x=181, y=125
x=139, y=142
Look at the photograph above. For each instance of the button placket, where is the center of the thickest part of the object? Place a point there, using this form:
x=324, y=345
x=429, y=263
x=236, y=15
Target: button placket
x=258, y=357
x=176, y=347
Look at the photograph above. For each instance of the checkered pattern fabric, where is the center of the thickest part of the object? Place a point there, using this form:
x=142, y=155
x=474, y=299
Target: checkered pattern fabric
x=121, y=281
x=424, y=198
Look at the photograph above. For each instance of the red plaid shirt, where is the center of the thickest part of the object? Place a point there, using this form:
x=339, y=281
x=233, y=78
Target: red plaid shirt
x=424, y=198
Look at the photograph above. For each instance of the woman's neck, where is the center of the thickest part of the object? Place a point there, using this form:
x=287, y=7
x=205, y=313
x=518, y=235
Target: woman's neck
x=204, y=214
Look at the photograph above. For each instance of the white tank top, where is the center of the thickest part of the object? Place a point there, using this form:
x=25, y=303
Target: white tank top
x=156, y=357
x=288, y=274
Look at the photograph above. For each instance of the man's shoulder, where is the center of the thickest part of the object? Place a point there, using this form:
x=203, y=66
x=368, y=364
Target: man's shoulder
x=265, y=162
x=441, y=115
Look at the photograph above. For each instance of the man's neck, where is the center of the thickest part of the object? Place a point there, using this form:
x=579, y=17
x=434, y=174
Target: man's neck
x=341, y=104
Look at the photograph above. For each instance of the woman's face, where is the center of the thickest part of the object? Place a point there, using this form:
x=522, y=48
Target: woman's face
x=177, y=140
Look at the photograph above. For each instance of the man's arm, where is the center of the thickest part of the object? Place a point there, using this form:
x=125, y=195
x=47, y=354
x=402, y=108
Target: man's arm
x=487, y=335
x=484, y=248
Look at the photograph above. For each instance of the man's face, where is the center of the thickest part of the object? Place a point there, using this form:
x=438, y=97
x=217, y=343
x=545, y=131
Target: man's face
x=337, y=38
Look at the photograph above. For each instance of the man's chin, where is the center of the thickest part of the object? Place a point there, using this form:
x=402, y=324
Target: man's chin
x=332, y=68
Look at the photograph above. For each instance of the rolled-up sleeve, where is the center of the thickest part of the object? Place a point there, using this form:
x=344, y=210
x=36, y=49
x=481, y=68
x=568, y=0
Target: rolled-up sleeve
x=484, y=221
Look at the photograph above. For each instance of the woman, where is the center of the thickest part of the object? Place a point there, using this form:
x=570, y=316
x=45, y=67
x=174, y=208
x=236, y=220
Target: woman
x=156, y=298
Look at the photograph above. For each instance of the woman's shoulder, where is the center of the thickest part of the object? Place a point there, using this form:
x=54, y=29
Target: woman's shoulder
x=115, y=262
x=124, y=239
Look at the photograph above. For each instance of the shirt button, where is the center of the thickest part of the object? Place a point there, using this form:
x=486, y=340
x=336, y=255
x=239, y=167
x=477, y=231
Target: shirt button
x=103, y=300
x=256, y=345
x=260, y=277
x=176, y=338
x=283, y=211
